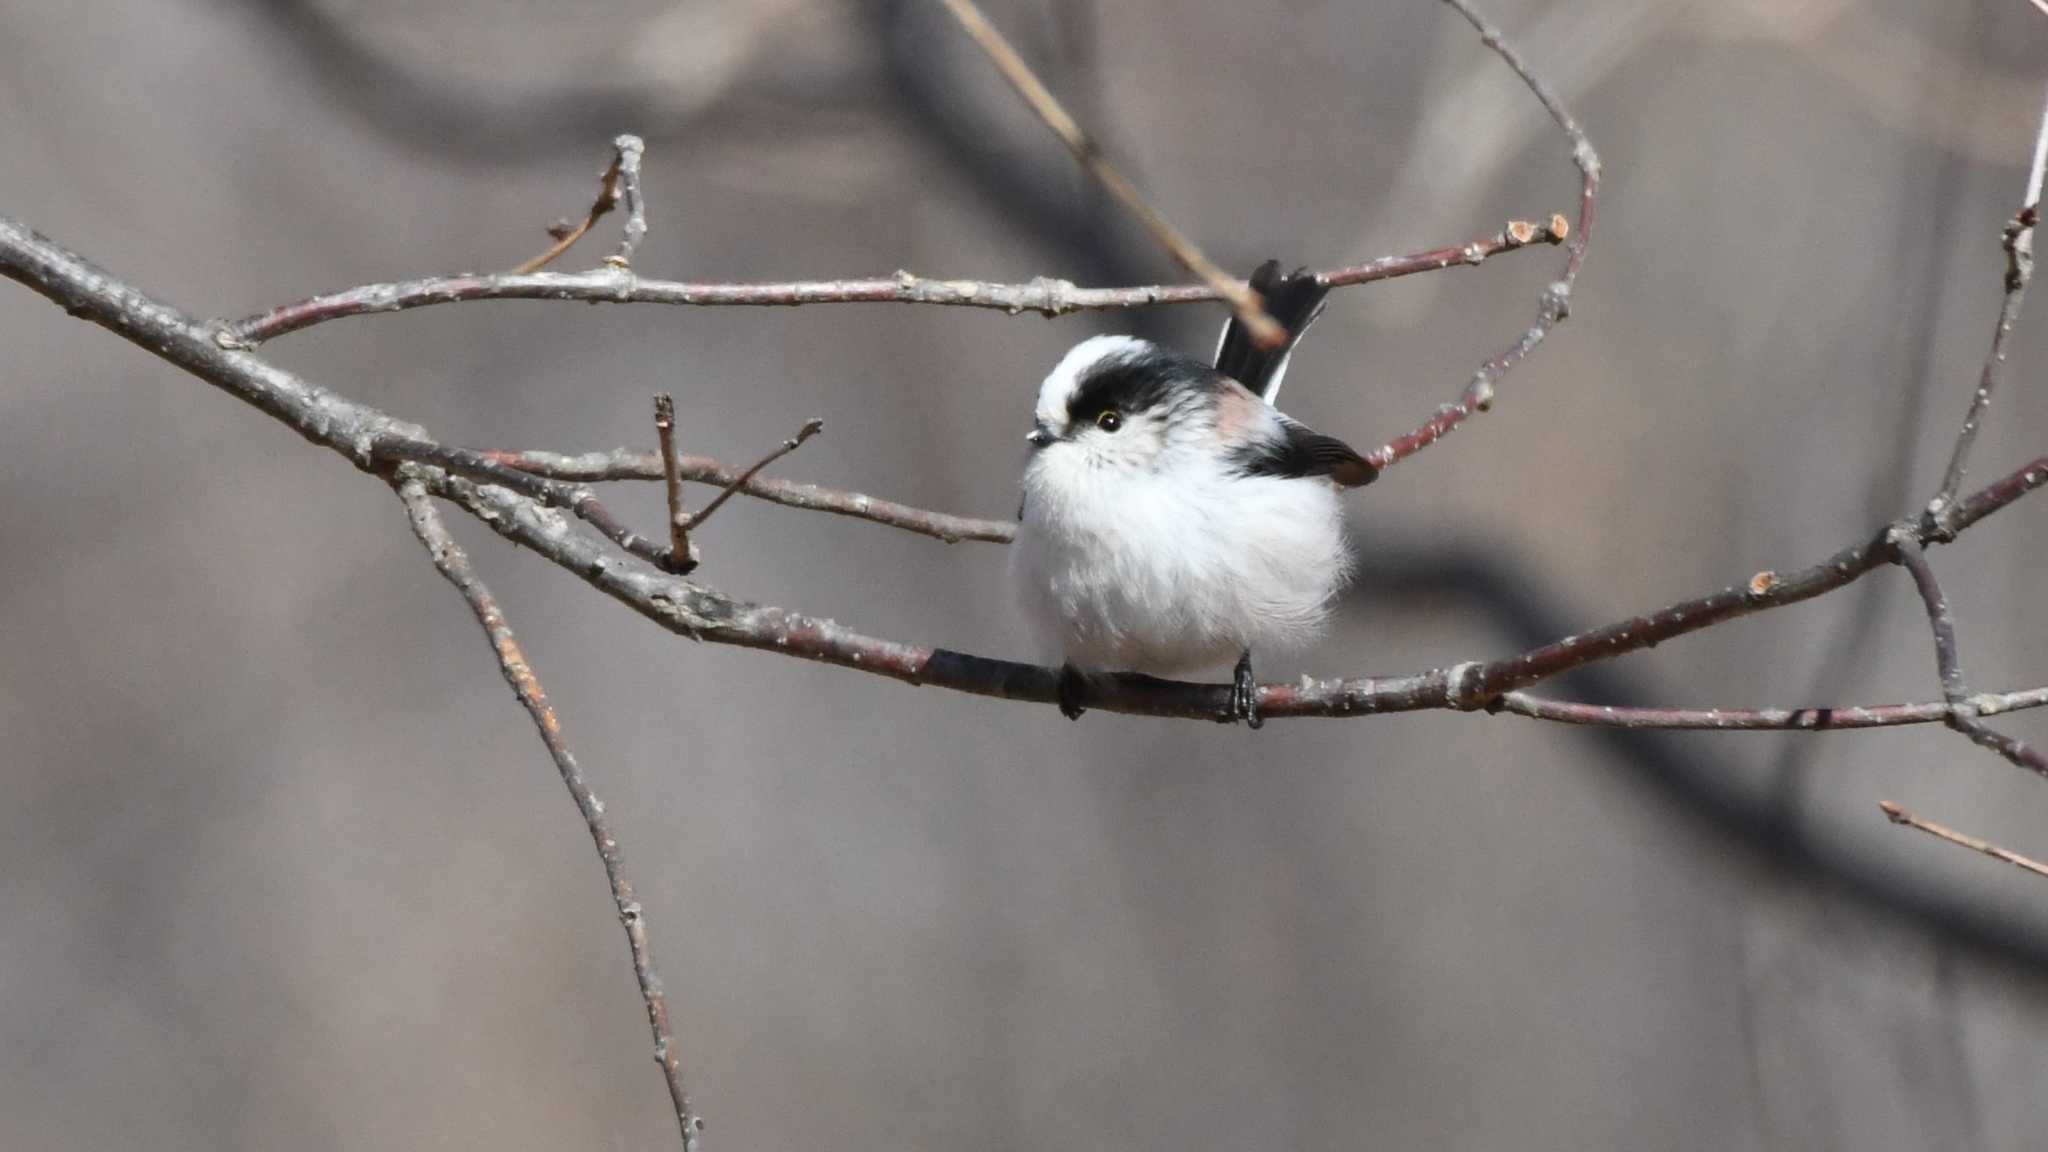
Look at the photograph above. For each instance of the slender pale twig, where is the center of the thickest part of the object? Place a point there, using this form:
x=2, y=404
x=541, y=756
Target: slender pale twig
x=1898, y=815
x=682, y=558
x=2019, y=271
x=1043, y=296
x=1821, y=719
x=811, y=428
x=1478, y=394
x=454, y=564
x=1265, y=331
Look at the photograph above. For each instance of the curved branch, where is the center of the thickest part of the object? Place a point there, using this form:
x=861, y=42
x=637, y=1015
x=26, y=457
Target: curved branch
x=1478, y=394
x=610, y=285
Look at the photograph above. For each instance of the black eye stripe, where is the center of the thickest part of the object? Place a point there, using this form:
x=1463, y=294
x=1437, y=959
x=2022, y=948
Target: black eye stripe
x=1125, y=384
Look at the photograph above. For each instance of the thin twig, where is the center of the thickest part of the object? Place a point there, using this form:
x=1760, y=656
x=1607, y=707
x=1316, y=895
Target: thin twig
x=2019, y=270
x=1265, y=331
x=682, y=558
x=811, y=428
x=1825, y=719
x=454, y=564
x=628, y=464
x=1898, y=815
x=621, y=180
x=1043, y=296
x=1556, y=303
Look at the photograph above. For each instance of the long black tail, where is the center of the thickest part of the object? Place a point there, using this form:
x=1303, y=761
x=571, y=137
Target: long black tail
x=1294, y=299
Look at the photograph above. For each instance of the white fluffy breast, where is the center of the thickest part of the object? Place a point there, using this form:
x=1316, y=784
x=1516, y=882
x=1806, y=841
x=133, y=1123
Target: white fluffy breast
x=1172, y=570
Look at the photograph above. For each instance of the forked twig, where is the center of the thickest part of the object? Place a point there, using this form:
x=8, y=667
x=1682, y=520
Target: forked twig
x=620, y=182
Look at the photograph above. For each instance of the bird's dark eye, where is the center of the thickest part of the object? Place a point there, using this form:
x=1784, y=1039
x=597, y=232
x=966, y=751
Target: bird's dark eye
x=1108, y=420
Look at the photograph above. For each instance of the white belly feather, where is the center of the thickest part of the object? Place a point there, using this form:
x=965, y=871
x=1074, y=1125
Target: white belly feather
x=1172, y=574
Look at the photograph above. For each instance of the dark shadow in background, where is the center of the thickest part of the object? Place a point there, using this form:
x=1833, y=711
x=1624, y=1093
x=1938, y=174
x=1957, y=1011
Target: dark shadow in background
x=1028, y=184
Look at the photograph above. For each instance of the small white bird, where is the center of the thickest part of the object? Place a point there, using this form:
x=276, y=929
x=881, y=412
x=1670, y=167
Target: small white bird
x=1172, y=518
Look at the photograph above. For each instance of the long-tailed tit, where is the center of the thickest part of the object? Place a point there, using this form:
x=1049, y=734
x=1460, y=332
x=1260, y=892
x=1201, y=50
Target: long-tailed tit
x=1173, y=518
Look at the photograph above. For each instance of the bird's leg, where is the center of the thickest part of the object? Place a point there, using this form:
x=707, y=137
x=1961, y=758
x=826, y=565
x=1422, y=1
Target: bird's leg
x=1070, y=692
x=1244, y=694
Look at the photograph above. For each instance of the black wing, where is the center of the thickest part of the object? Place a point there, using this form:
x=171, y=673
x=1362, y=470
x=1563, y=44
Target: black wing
x=1302, y=452
x=1294, y=300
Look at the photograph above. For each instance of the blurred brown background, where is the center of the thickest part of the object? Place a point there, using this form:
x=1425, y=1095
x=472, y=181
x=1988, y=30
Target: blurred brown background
x=283, y=866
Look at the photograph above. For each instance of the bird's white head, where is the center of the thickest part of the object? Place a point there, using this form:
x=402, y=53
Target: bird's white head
x=1116, y=402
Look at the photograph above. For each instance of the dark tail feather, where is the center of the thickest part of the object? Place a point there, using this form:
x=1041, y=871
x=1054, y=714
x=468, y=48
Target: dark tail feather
x=1294, y=300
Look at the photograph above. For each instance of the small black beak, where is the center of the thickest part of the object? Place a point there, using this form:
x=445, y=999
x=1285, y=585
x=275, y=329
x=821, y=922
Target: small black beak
x=1040, y=436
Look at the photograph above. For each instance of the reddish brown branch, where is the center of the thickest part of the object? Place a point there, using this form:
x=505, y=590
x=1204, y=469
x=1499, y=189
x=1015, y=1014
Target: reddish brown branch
x=1046, y=297
x=454, y=564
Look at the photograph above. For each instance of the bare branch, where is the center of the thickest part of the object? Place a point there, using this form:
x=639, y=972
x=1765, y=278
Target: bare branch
x=627, y=464
x=1556, y=304
x=682, y=558
x=811, y=428
x=1940, y=620
x=621, y=180
x=582, y=501
x=2019, y=270
x=454, y=564
x=373, y=440
x=1046, y=297
x=1265, y=331
x=1913, y=557
x=1824, y=719
x=1898, y=815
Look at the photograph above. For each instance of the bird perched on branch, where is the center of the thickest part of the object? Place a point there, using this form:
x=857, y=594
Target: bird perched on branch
x=1173, y=519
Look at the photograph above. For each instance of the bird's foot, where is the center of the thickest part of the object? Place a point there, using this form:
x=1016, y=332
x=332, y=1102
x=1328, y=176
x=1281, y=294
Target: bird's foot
x=1070, y=692
x=1244, y=695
